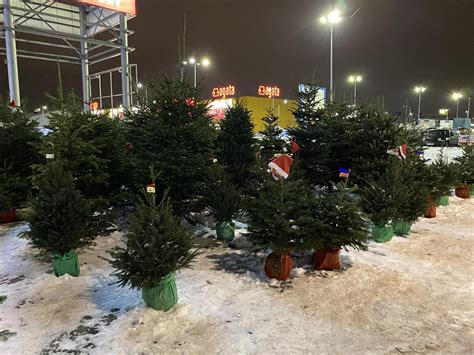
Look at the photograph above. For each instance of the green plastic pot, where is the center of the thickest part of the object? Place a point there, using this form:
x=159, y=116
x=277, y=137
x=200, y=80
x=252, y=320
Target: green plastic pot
x=442, y=201
x=225, y=231
x=401, y=228
x=382, y=234
x=164, y=295
x=66, y=264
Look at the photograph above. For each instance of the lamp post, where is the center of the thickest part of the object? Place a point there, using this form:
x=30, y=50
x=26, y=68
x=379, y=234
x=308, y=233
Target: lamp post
x=331, y=19
x=456, y=96
x=419, y=90
x=468, y=107
x=141, y=86
x=43, y=109
x=192, y=61
x=354, y=79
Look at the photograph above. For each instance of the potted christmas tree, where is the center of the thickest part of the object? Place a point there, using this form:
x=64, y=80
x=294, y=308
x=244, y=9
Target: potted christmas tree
x=377, y=201
x=60, y=219
x=223, y=198
x=342, y=225
x=446, y=175
x=157, y=246
x=410, y=194
x=465, y=173
x=281, y=219
x=271, y=137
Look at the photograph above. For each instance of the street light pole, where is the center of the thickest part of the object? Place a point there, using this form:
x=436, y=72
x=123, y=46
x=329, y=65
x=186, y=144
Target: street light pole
x=355, y=79
x=195, y=74
x=205, y=62
x=331, y=84
x=419, y=90
x=468, y=107
x=456, y=96
x=332, y=19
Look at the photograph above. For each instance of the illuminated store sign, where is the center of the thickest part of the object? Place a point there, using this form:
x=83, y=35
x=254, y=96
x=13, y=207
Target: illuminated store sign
x=223, y=92
x=269, y=91
x=127, y=6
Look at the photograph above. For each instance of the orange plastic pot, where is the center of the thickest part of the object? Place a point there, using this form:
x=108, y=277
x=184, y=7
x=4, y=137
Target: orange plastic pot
x=278, y=266
x=326, y=259
x=8, y=216
x=462, y=191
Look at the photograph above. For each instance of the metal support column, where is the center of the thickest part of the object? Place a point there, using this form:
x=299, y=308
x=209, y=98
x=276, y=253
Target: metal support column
x=86, y=92
x=124, y=62
x=12, y=64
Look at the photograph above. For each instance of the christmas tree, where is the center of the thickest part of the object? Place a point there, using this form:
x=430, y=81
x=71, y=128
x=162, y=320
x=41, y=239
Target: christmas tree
x=157, y=246
x=280, y=218
x=271, y=141
x=465, y=172
x=445, y=173
x=19, y=144
x=92, y=147
x=224, y=200
x=341, y=220
x=173, y=133
x=60, y=218
x=236, y=149
x=378, y=201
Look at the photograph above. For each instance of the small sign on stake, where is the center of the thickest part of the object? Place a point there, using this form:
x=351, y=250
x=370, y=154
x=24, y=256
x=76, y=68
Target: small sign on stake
x=49, y=156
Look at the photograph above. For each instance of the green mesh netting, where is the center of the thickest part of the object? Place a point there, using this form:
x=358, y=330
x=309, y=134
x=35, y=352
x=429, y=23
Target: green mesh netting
x=66, y=264
x=164, y=295
x=225, y=231
x=382, y=234
x=401, y=228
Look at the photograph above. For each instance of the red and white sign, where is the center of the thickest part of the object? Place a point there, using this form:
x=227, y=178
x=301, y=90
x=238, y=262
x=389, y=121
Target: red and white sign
x=269, y=91
x=223, y=92
x=127, y=6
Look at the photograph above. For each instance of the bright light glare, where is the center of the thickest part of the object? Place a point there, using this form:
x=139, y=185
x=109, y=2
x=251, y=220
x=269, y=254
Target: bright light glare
x=192, y=60
x=419, y=89
x=355, y=78
x=456, y=96
x=334, y=16
x=443, y=111
x=323, y=19
x=206, y=62
x=140, y=85
x=45, y=107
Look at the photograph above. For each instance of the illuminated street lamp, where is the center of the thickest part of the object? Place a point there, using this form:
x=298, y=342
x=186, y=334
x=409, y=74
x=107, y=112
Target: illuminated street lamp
x=141, y=86
x=456, y=96
x=419, y=90
x=331, y=19
x=444, y=112
x=354, y=79
x=192, y=61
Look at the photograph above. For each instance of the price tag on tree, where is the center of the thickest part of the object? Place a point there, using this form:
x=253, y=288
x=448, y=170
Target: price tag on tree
x=150, y=188
x=49, y=156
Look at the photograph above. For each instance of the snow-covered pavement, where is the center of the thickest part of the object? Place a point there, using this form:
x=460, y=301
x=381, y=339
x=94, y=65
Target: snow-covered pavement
x=412, y=294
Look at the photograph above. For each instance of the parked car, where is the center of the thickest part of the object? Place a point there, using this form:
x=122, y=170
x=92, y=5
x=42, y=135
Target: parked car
x=439, y=137
x=465, y=140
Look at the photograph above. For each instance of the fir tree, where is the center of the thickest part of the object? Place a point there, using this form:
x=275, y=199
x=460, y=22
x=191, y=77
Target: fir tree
x=174, y=133
x=465, y=167
x=281, y=216
x=60, y=218
x=156, y=245
x=92, y=148
x=342, y=224
x=445, y=175
x=271, y=140
x=19, y=144
x=222, y=196
x=236, y=145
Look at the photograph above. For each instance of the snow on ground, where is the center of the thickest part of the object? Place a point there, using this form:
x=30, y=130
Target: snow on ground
x=412, y=294
x=449, y=153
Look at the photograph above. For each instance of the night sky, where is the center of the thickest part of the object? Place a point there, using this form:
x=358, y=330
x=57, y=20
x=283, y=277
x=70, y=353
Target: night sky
x=394, y=44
